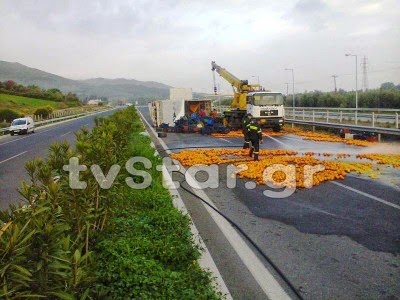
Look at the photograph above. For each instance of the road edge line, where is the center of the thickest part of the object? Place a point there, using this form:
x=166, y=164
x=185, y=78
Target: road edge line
x=366, y=195
x=12, y=157
x=264, y=278
x=206, y=261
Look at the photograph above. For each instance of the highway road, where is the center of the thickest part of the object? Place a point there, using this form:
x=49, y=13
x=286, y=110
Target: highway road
x=16, y=150
x=338, y=240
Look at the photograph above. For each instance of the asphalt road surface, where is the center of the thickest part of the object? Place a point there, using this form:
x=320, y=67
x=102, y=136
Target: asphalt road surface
x=16, y=150
x=338, y=240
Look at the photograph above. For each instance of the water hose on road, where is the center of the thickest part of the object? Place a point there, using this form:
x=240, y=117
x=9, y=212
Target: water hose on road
x=265, y=256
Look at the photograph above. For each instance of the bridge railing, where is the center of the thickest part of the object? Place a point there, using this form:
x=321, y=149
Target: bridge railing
x=369, y=117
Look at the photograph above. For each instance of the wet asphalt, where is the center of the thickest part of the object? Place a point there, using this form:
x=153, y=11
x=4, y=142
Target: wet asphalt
x=338, y=240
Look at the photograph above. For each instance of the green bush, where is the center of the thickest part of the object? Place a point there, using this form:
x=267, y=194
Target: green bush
x=44, y=112
x=9, y=115
x=45, y=246
x=95, y=243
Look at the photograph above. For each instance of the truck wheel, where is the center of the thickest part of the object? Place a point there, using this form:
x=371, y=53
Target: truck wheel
x=12, y=133
x=226, y=130
x=276, y=129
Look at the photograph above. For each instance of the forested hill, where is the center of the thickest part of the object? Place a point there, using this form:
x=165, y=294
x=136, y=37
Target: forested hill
x=94, y=88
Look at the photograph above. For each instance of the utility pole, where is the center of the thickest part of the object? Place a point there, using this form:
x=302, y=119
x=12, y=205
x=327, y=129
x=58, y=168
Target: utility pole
x=356, y=111
x=334, y=81
x=258, y=79
x=294, y=113
x=365, y=75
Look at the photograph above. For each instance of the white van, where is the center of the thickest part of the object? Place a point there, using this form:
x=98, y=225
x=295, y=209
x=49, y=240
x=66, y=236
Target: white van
x=22, y=125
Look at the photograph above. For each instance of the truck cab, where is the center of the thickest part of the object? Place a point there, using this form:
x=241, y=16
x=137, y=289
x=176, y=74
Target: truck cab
x=268, y=108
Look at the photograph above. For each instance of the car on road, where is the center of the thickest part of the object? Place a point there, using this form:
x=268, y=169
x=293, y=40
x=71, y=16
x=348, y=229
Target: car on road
x=22, y=126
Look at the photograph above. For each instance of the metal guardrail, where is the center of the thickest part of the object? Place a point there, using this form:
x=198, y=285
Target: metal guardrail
x=382, y=130
x=370, y=117
x=4, y=131
x=375, y=120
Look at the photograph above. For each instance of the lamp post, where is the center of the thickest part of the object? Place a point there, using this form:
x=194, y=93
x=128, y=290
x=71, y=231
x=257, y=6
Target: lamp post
x=258, y=79
x=348, y=54
x=287, y=69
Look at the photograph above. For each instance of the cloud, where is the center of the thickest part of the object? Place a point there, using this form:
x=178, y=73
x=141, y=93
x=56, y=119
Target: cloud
x=314, y=14
x=174, y=41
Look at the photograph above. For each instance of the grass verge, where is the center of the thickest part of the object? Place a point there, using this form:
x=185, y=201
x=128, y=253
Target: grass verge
x=147, y=250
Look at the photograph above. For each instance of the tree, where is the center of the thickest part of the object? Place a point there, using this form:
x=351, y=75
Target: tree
x=388, y=86
x=10, y=84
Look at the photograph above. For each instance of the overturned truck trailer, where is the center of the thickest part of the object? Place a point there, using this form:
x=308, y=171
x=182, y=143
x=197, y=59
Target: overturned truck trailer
x=169, y=111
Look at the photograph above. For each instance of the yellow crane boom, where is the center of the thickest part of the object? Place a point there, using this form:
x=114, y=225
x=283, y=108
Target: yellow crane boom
x=263, y=105
x=240, y=87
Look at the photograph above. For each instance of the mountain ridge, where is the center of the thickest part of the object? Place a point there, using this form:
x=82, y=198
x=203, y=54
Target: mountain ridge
x=100, y=87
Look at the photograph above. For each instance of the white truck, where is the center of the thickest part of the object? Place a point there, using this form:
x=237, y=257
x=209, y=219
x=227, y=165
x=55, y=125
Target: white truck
x=169, y=111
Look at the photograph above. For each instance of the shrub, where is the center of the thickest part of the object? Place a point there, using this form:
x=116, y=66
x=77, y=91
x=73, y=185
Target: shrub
x=9, y=115
x=95, y=243
x=43, y=111
x=62, y=105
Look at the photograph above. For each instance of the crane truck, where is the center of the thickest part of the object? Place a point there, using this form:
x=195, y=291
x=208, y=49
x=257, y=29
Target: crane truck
x=265, y=106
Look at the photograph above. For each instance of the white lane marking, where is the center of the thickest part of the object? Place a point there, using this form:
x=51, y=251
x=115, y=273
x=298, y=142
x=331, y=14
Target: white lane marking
x=264, y=278
x=14, y=140
x=25, y=137
x=206, y=259
x=12, y=157
x=226, y=140
x=155, y=133
x=65, y=133
x=294, y=139
x=280, y=142
x=315, y=209
x=366, y=195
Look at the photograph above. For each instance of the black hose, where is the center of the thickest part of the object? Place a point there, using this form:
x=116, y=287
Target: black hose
x=205, y=147
x=265, y=256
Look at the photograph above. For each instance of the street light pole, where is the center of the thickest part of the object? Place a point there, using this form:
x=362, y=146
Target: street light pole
x=258, y=80
x=287, y=69
x=356, y=84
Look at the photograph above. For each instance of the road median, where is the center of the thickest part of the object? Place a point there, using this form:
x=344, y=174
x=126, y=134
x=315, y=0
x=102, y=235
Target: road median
x=108, y=230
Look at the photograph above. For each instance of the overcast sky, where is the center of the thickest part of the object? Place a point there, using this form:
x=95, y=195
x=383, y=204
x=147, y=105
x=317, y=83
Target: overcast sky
x=174, y=42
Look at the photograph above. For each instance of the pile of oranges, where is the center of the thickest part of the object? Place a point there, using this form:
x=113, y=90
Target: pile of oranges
x=307, y=135
x=325, y=137
x=382, y=159
x=282, y=167
x=239, y=133
x=285, y=168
